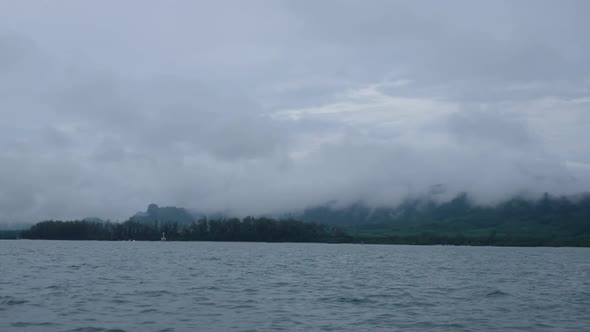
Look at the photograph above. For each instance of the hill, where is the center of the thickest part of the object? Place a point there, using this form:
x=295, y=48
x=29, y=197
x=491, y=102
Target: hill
x=155, y=213
x=549, y=219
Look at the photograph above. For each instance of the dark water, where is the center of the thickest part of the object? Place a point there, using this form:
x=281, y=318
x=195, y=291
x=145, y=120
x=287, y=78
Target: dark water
x=143, y=286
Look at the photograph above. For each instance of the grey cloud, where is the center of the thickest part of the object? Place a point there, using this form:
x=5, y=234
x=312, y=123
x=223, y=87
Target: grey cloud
x=490, y=126
x=476, y=46
x=105, y=110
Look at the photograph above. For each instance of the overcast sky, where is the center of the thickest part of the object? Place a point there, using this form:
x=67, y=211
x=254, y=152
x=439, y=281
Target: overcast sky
x=269, y=106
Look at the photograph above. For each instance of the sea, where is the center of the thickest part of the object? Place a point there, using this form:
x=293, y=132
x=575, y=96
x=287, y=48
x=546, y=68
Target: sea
x=233, y=286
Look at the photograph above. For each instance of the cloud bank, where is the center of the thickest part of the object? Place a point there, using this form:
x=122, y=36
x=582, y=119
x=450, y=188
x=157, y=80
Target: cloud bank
x=272, y=106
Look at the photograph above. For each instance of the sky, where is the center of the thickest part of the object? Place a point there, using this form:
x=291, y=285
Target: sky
x=253, y=107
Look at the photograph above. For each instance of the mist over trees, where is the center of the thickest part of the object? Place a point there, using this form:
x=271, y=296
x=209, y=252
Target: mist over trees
x=549, y=221
x=169, y=213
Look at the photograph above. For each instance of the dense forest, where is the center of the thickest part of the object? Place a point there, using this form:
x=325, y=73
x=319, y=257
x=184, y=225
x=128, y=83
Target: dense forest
x=247, y=229
x=549, y=221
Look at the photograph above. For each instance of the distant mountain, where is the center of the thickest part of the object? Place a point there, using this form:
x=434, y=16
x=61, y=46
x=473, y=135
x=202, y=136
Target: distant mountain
x=548, y=221
x=93, y=219
x=550, y=218
x=165, y=214
x=547, y=217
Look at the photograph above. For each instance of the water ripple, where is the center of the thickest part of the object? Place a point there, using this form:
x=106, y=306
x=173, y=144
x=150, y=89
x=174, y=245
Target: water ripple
x=106, y=286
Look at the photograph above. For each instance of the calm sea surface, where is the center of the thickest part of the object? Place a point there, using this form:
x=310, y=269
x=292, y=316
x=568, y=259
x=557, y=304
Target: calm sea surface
x=218, y=286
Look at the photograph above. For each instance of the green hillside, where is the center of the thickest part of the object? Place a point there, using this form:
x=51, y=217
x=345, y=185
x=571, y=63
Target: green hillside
x=550, y=220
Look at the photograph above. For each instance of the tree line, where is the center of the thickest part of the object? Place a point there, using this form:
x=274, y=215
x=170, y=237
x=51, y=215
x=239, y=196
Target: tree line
x=515, y=220
x=233, y=229
x=549, y=221
x=270, y=230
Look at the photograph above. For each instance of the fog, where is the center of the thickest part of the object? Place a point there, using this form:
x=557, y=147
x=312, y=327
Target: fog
x=273, y=106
